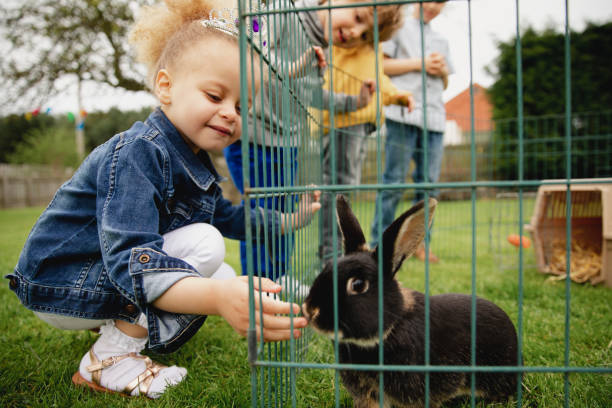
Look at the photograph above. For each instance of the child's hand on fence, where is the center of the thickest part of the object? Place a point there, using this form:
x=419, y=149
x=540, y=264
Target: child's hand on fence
x=405, y=98
x=368, y=87
x=298, y=67
x=308, y=206
x=320, y=54
x=276, y=322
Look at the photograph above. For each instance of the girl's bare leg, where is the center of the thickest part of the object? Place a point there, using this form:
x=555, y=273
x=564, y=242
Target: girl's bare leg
x=132, y=330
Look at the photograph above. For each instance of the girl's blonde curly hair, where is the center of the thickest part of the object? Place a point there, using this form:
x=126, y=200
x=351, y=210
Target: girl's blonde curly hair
x=163, y=32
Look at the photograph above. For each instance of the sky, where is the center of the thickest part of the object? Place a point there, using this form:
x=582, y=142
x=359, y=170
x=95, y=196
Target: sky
x=491, y=21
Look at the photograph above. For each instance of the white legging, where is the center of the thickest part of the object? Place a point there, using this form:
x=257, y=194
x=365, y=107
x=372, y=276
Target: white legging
x=200, y=245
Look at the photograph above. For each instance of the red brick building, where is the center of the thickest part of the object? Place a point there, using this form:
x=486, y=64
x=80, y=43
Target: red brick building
x=458, y=116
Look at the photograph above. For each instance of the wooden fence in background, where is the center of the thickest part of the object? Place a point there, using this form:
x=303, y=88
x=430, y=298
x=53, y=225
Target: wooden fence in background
x=29, y=185
x=26, y=185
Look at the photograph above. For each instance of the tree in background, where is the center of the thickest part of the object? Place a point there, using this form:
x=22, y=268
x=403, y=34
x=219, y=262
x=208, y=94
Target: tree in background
x=101, y=126
x=51, y=39
x=543, y=76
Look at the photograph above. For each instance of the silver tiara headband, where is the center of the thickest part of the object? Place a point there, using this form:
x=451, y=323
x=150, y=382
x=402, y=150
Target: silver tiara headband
x=226, y=20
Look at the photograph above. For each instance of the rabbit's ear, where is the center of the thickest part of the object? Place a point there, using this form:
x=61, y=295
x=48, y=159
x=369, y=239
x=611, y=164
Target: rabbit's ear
x=354, y=240
x=404, y=236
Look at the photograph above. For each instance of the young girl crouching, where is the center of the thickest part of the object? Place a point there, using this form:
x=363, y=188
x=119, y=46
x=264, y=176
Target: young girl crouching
x=133, y=242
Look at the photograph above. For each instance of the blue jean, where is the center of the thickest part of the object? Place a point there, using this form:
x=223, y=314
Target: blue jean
x=280, y=166
x=405, y=143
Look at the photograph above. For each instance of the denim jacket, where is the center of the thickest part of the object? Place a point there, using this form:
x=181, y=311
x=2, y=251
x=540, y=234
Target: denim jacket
x=96, y=251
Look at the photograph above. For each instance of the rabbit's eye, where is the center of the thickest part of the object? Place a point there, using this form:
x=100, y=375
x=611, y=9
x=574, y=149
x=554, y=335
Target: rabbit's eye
x=355, y=286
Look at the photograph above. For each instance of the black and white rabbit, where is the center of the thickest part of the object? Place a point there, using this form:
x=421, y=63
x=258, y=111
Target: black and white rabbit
x=404, y=322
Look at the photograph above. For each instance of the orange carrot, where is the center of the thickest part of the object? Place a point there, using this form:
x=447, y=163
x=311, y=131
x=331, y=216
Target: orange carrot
x=515, y=240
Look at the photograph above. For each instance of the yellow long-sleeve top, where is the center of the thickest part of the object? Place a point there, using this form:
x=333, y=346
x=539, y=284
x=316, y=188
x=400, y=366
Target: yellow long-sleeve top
x=351, y=66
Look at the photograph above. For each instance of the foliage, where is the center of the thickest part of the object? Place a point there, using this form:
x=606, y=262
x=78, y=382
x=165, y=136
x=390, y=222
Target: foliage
x=544, y=93
x=545, y=147
x=101, y=126
x=51, y=146
x=543, y=72
x=13, y=129
x=50, y=39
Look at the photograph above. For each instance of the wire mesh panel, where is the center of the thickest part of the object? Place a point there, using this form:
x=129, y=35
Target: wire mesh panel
x=298, y=140
x=544, y=146
x=280, y=162
x=503, y=230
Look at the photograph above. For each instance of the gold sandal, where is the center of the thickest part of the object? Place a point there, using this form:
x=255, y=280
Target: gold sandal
x=143, y=381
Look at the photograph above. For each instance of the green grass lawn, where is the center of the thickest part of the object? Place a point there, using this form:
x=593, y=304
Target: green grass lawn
x=37, y=361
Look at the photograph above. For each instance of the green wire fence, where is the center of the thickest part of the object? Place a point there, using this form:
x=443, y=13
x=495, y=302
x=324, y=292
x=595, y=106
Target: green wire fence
x=293, y=124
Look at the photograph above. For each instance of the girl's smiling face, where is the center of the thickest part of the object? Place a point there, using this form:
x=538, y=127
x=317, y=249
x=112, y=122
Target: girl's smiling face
x=200, y=94
x=349, y=26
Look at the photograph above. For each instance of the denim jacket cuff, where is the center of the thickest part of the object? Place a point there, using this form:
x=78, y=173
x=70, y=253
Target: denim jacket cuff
x=154, y=272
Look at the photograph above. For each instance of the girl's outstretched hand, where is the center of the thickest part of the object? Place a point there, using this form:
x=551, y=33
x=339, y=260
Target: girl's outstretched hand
x=273, y=314
x=307, y=208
